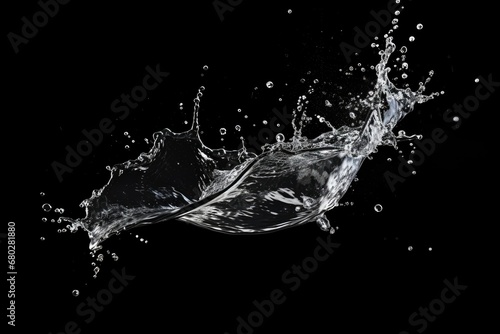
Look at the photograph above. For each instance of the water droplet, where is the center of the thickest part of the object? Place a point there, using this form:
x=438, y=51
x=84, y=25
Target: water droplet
x=403, y=49
x=389, y=159
x=280, y=138
x=456, y=119
x=315, y=81
x=125, y=133
x=328, y=104
x=352, y=115
x=411, y=39
x=323, y=223
x=44, y=219
x=297, y=208
x=410, y=162
x=420, y=26
x=430, y=249
x=308, y=202
x=264, y=122
x=269, y=84
x=238, y=128
x=404, y=75
x=476, y=80
x=378, y=208
x=42, y=238
x=394, y=21
x=239, y=110
x=75, y=293
x=96, y=270
x=404, y=66
x=289, y=11
x=397, y=12
x=127, y=147
x=410, y=248
x=332, y=230
x=114, y=256
x=100, y=257
x=205, y=67
x=222, y=131
x=46, y=207
x=414, y=172
x=42, y=194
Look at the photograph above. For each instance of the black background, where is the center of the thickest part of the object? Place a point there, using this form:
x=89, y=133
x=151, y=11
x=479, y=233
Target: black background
x=192, y=280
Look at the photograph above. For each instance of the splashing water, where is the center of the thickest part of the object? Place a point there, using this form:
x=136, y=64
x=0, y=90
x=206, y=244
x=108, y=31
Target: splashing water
x=289, y=184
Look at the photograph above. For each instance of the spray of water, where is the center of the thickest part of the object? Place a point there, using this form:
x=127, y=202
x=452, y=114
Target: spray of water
x=234, y=191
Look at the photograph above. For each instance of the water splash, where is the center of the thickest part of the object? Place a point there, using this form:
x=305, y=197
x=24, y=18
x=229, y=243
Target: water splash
x=234, y=191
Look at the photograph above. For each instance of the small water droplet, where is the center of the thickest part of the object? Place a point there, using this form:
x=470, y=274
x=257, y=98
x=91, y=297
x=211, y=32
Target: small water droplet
x=46, y=207
x=239, y=110
x=238, y=128
x=411, y=39
x=420, y=26
x=430, y=249
x=403, y=49
x=456, y=119
x=114, y=256
x=44, y=219
x=297, y=208
x=125, y=133
x=378, y=208
x=42, y=238
x=42, y=194
x=476, y=80
x=205, y=67
x=264, y=122
x=222, y=131
x=280, y=138
x=410, y=162
x=389, y=159
x=269, y=84
x=410, y=248
x=404, y=75
x=127, y=147
x=75, y=293
x=289, y=11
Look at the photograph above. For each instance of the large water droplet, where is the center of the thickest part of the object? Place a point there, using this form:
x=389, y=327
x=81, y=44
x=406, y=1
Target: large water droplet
x=46, y=207
x=378, y=208
x=289, y=11
x=420, y=26
x=223, y=131
x=323, y=223
x=269, y=84
x=280, y=138
x=308, y=202
x=411, y=39
x=75, y=293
